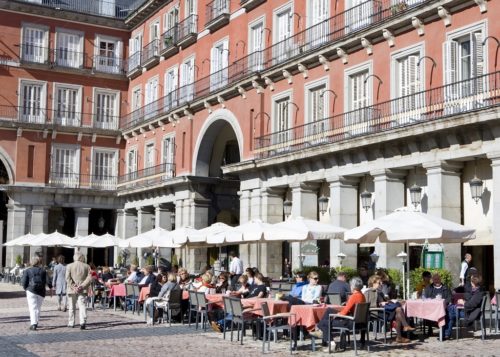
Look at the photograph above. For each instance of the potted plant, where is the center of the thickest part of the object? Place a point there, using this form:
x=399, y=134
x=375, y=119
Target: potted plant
x=399, y=7
x=168, y=40
x=120, y=261
x=135, y=260
x=19, y=260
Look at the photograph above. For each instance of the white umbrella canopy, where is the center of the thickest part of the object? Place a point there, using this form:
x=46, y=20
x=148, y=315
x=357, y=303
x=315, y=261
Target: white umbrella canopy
x=411, y=227
x=302, y=229
x=184, y=235
x=52, y=239
x=95, y=241
x=157, y=237
x=214, y=234
x=24, y=240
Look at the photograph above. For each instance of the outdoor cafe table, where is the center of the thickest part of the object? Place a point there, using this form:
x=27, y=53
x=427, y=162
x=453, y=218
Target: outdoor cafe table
x=143, y=293
x=430, y=309
x=117, y=290
x=275, y=306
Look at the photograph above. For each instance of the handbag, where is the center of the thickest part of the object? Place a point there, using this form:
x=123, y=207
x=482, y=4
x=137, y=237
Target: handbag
x=391, y=306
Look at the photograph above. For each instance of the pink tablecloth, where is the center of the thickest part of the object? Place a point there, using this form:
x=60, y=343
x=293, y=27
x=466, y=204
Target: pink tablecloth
x=494, y=300
x=309, y=315
x=144, y=293
x=117, y=290
x=275, y=306
x=432, y=309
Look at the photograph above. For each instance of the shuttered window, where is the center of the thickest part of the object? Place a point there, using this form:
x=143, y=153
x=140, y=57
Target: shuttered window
x=106, y=110
x=67, y=104
x=32, y=102
x=69, y=50
x=34, y=46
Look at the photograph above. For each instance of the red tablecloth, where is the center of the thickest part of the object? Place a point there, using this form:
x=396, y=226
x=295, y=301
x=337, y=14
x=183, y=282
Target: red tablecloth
x=309, y=315
x=117, y=290
x=494, y=300
x=143, y=293
x=275, y=306
x=431, y=309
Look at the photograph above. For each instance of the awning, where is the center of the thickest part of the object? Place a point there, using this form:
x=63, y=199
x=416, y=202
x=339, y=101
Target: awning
x=482, y=238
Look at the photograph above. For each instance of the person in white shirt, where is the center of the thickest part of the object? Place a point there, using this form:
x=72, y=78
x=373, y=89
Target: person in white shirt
x=311, y=293
x=235, y=268
x=464, y=268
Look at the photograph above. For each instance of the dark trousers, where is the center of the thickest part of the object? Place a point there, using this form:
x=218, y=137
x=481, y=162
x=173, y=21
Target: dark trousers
x=234, y=280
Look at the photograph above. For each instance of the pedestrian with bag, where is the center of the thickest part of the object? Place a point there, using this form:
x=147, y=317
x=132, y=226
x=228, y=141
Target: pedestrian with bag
x=33, y=282
x=78, y=280
x=59, y=284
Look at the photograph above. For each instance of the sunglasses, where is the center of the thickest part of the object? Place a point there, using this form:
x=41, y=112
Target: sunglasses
x=315, y=278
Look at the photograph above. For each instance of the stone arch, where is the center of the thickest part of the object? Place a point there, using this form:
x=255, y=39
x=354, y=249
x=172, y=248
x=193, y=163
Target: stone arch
x=221, y=122
x=8, y=164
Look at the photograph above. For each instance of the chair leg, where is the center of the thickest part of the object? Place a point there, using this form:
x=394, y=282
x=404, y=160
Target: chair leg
x=354, y=338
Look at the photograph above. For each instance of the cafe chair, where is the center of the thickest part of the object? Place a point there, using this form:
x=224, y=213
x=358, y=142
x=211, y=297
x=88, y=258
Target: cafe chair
x=202, y=310
x=273, y=324
x=359, y=324
x=378, y=321
x=241, y=318
x=131, y=297
x=193, y=304
x=228, y=314
x=334, y=298
x=173, y=303
x=494, y=312
x=484, y=305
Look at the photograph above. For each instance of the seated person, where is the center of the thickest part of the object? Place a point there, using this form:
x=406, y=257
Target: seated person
x=107, y=278
x=206, y=284
x=135, y=276
x=311, y=292
x=251, y=276
x=258, y=289
x=183, y=279
x=376, y=299
x=301, y=280
x=340, y=286
x=147, y=276
x=244, y=289
x=154, y=290
x=93, y=272
x=472, y=305
x=322, y=328
x=426, y=281
x=386, y=284
x=222, y=284
x=437, y=290
x=168, y=283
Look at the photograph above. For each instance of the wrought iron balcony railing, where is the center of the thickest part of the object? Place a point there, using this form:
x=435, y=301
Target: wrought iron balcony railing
x=133, y=62
x=118, y=9
x=31, y=53
x=322, y=34
x=83, y=181
x=188, y=27
x=107, y=64
x=217, y=8
x=32, y=112
x=150, y=52
x=457, y=98
x=169, y=38
x=148, y=176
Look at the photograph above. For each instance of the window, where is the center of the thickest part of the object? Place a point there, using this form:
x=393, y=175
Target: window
x=106, y=109
x=168, y=155
x=285, y=47
x=69, y=49
x=170, y=88
x=360, y=114
x=153, y=47
x=281, y=115
x=256, y=42
x=358, y=15
x=190, y=8
x=136, y=98
x=67, y=105
x=464, y=56
x=135, y=48
x=219, y=63
x=151, y=96
x=171, y=18
x=319, y=27
x=149, y=155
x=104, y=169
x=132, y=161
x=108, y=55
x=187, y=81
x=65, y=165
x=34, y=46
x=32, y=101
x=316, y=110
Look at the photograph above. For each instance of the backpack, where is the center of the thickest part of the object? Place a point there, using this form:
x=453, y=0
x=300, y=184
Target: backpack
x=36, y=282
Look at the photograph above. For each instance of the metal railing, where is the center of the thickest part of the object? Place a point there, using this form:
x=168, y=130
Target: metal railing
x=457, y=98
x=85, y=181
x=322, y=34
x=188, y=26
x=215, y=9
x=63, y=57
x=147, y=176
x=170, y=38
x=118, y=9
x=134, y=62
x=31, y=53
x=34, y=113
x=150, y=51
x=106, y=64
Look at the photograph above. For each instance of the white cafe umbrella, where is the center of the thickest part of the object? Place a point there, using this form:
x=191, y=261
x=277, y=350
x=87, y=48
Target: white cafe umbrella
x=52, y=239
x=157, y=237
x=305, y=229
x=410, y=227
x=23, y=240
x=209, y=234
x=186, y=234
x=95, y=241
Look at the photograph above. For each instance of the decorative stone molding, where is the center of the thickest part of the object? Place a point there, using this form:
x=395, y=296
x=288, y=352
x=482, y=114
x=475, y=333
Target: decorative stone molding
x=79, y=136
x=221, y=101
x=418, y=25
x=445, y=15
x=45, y=133
x=19, y=132
x=342, y=54
x=207, y=106
x=257, y=87
x=269, y=83
x=242, y=92
x=54, y=134
x=324, y=61
x=389, y=37
x=188, y=114
x=482, y=5
x=118, y=139
x=288, y=76
x=94, y=138
x=303, y=69
x=367, y=45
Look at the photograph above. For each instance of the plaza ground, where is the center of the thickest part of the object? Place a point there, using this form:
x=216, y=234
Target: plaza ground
x=113, y=333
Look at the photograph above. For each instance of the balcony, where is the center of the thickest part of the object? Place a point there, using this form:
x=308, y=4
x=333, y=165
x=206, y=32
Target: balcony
x=458, y=98
x=217, y=14
x=324, y=34
x=118, y=9
x=134, y=65
x=188, y=31
x=249, y=5
x=148, y=176
x=169, y=40
x=34, y=54
x=63, y=57
x=150, y=54
x=82, y=181
x=106, y=64
x=33, y=113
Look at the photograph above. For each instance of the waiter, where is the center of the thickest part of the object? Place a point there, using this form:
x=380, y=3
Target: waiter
x=235, y=268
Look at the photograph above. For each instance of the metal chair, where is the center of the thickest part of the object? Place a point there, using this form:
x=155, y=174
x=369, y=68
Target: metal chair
x=228, y=312
x=378, y=320
x=484, y=303
x=334, y=298
x=193, y=304
x=173, y=303
x=131, y=296
x=359, y=324
x=274, y=324
x=202, y=309
x=494, y=312
x=241, y=318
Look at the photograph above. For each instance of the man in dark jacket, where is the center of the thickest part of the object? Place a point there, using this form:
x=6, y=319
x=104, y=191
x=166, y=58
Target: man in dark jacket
x=340, y=286
x=33, y=282
x=437, y=290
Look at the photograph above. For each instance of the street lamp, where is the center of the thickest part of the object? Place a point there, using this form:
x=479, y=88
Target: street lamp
x=374, y=257
x=323, y=204
x=403, y=257
x=101, y=222
x=476, y=186
x=415, y=192
x=302, y=257
x=341, y=256
x=287, y=208
x=366, y=198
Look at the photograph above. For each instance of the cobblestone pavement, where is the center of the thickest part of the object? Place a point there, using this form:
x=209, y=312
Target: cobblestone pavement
x=114, y=333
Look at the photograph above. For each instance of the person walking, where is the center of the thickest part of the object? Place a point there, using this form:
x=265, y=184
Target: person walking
x=33, y=281
x=59, y=284
x=464, y=268
x=78, y=279
x=235, y=268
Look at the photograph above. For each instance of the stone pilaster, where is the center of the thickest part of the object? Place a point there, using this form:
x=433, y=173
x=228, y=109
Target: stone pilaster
x=16, y=227
x=82, y=226
x=39, y=224
x=163, y=219
x=495, y=196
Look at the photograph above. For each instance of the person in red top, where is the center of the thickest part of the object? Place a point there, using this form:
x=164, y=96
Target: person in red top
x=322, y=328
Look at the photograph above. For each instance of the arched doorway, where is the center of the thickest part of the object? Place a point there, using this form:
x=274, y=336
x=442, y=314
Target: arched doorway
x=4, y=180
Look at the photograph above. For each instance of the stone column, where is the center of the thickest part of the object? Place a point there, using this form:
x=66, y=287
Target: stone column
x=304, y=204
x=16, y=227
x=39, y=224
x=245, y=216
x=344, y=213
x=389, y=195
x=444, y=195
x=145, y=223
x=495, y=196
x=163, y=219
x=82, y=226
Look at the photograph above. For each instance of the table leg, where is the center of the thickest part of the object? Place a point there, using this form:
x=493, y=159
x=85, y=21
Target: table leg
x=114, y=302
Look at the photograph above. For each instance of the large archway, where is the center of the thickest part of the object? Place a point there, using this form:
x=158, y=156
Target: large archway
x=4, y=180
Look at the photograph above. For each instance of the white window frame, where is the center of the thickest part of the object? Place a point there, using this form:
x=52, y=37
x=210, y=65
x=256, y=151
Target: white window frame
x=220, y=79
x=169, y=166
x=108, y=183
x=116, y=61
x=170, y=100
x=45, y=43
x=166, y=27
x=283, y=139
x=100, y=124
x=136, y=164
x=135, y=50
x=188, y=13
x=133, y=101
x=147, y=144
x=81, y=35
x=257, y=60
x=68, y=180
x=150, y=99
x=190, y=90
x=322, y=125
x=33, y=118
x=359, y=18
x=356, y=120
x=319, y=34
x=78, y=106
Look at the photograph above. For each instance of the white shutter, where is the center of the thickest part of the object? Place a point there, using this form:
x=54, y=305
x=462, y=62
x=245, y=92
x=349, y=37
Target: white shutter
x=478, y=60
x=450, y=52
x=33, y=45
x=214, y=56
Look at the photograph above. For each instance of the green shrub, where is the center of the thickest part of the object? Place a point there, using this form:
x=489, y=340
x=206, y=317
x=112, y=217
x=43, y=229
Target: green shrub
x=19, y=260
x=396, y=279
x=119, y=260
x=416, y=277
x=150, y=260
x=175, y=260
x=135, y=260
x=350, y=272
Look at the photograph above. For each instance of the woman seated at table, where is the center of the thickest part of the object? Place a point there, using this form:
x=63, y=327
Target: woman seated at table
x=149, y=277
x=323, y=326
x=258, y=289
x=206, y=284
x=311, y=292
x=251, y=276
x=300, y=281
x=244, y=289
x=183, y=279
x=222, y=284
x=375, y=297
x=471, y=305
x=154, y=290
